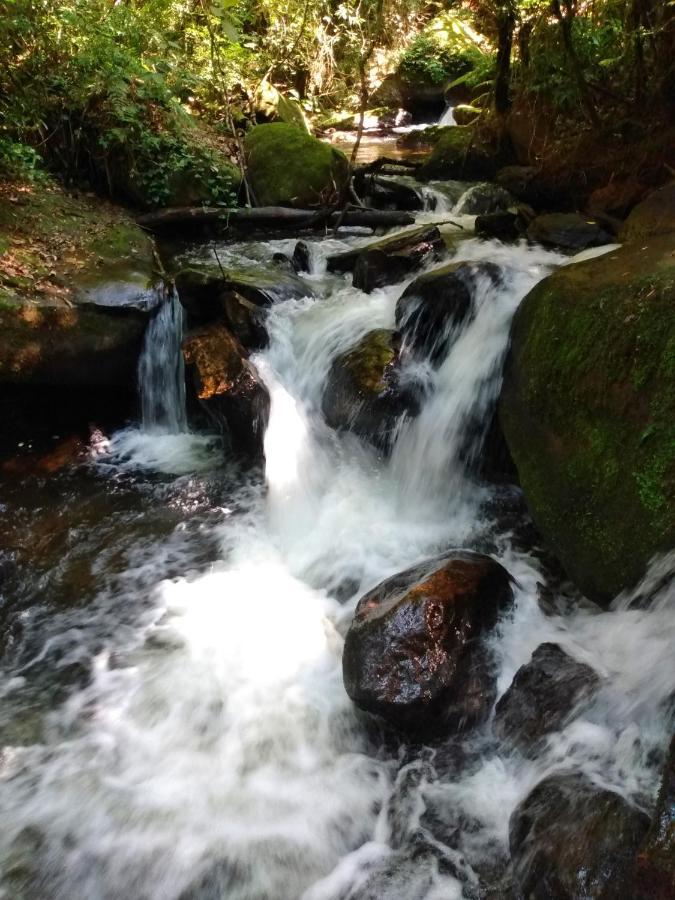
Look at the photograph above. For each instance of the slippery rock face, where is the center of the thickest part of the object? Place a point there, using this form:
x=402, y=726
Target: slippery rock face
x=542, y=697
x=484, y=199
x=364, y=391
x=437, y=302
x=389, y=260
x=588, y=407
x=228, y=387
x=655, y=872
x=570, y=839
x=287, y=167
x=412, y=654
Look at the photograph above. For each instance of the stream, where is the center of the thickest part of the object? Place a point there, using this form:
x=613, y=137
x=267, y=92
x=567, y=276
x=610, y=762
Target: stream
x=174, y=724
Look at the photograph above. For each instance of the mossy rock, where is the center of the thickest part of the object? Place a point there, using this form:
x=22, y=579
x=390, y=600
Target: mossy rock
x=289, y=168
x=588, y=411
x=364, y=393
x=423, y=137
x=655, y=215
x=460, y=152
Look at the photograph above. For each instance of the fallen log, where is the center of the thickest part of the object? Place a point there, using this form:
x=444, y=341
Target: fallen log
x=270, y=217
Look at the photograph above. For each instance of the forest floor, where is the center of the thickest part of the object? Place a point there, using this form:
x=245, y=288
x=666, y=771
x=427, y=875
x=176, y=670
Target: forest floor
x=48, y=235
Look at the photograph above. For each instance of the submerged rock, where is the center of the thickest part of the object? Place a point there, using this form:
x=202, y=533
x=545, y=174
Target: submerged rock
x=364, y=390
x=438, y=302
x=569, y=231
x=389, y=260
x=572, y=839
x=228, y=387
x=587, y=409
x=655, y=872
x=413, y=654
x=543, y=696
x=655, y=215
x=287, y=167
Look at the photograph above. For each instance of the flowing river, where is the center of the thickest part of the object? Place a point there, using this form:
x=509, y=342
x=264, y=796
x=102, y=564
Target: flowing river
x=174, y=724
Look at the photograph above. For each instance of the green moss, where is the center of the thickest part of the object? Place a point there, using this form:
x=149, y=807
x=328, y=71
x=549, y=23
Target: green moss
x=588, y=410
x=460, y=152
x=289, y=168
x=368, y=361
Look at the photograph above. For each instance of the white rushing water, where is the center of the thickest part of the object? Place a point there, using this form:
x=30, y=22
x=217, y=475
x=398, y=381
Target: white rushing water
x=214, y=754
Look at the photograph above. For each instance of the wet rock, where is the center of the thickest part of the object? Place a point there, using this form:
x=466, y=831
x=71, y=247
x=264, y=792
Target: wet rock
x=438, y=302
x=655, y=871
x=544, y=694
x=504, y=226
x=569, y=231
x=228, y=387
x=287, y=167
x=413, y=654
x=422, y=138
x=655, y=215
x=388, y=261
x=302, y=257
x=283, y=263
x=365, y=392
x=587, y=409
x=571, y=839
x=241, y=298
x=384, y=193
x=482, y=199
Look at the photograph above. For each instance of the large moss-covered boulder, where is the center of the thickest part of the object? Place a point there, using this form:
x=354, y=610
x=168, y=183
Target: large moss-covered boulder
x=461, y=152
x=588, y=411
x=289, y=168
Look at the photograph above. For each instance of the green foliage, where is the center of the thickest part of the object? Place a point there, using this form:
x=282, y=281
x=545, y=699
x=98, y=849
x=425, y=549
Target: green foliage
x=428, y=61
x=19, y=162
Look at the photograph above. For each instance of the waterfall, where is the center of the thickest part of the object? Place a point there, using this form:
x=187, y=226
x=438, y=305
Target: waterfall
x=203, y=745
x=161, y=374
x=448, y=116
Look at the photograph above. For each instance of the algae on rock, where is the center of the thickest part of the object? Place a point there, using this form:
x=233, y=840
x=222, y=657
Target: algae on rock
x=588, y=411
x=290, y=168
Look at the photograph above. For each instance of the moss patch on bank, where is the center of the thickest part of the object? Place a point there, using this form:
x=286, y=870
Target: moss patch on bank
x=588, y=410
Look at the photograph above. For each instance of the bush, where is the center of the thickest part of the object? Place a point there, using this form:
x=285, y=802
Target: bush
x=427, y=61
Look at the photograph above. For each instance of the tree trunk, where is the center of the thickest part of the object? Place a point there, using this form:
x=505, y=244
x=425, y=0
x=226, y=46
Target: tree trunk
x=506, y=23
x=566, y=19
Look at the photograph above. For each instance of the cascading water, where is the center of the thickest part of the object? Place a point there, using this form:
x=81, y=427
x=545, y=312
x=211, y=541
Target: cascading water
x=161, y=375
x=212, y=751
x=448, y=116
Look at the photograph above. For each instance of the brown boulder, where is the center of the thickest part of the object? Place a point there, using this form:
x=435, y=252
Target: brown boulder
x=228, y=387
x=413, y=654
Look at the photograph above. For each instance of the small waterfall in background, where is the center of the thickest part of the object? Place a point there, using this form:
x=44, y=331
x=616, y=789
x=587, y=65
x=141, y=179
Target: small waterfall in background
x=448, y=116
x=161, y=372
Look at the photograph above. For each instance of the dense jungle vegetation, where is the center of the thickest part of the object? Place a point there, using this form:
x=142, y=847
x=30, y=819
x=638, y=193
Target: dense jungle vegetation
x=131, y=96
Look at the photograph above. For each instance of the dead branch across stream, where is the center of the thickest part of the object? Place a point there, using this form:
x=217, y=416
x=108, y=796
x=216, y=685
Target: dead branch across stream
x=273, y=217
